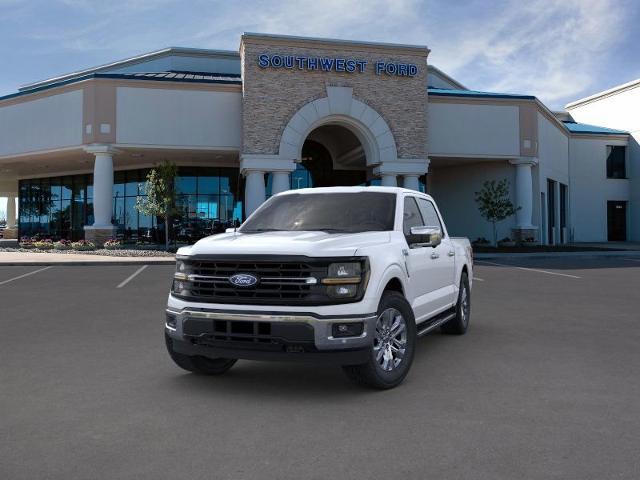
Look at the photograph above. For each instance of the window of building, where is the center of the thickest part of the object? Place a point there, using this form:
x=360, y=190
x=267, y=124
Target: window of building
x=616, y=161
x=208, y=201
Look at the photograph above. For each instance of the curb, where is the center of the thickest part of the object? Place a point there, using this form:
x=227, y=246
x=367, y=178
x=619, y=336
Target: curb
x=87, y=263
x=596, y=254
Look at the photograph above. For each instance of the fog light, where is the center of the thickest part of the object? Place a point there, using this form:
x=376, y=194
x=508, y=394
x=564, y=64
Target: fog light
x=342, y=291
x=339, y=330
x=171, y=321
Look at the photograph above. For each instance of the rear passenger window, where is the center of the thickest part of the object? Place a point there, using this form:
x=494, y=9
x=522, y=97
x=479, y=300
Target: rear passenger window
x=429, y=213
x=411, y=216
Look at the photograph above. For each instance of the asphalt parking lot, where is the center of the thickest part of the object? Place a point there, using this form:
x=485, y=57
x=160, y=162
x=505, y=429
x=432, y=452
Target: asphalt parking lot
x=544, y=385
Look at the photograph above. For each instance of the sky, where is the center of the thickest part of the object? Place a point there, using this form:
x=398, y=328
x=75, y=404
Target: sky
x=557, y=50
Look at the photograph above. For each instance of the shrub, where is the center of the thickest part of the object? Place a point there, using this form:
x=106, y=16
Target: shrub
x=83, y=245
x=481, y=241
x=112, y=244
x=43, y=244
x=62, y=245
x=26, y=242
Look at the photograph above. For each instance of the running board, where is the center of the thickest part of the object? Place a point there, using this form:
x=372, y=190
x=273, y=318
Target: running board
x=436, y=321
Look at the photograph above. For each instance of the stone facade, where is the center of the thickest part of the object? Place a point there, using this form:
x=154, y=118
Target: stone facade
x=272, y=96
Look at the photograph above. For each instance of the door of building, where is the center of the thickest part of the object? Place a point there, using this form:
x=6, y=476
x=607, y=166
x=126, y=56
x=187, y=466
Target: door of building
x=551, y=211
x=617, y=221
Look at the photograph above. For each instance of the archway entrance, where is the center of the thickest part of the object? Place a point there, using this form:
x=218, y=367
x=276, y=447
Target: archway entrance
x=333, y=156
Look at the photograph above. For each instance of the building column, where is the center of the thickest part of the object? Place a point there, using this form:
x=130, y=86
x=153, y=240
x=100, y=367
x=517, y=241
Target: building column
x=11, y=211
x=102, y=228
x=411, y=182
x=253, y=167
x=389, y=180
x=11, y=232
x=254, y=192
x=524, y=198
x=280, y=182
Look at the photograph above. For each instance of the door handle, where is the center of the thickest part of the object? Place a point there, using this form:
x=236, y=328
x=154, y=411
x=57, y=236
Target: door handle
x=452, y=253
x=434, y=255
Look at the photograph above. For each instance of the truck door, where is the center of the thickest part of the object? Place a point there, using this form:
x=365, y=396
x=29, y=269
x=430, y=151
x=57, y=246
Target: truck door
x=442, y=257
x=422, y=277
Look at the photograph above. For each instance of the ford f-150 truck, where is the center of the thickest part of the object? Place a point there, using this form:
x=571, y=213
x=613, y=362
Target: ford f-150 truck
x=347, y=275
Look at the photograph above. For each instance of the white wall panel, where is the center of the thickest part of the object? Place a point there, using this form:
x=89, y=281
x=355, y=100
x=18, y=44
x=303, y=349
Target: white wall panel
x=41, y=124
x=190, y=118
x=461, y=129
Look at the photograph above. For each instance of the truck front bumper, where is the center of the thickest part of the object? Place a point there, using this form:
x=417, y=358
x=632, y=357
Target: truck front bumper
x=260, y=335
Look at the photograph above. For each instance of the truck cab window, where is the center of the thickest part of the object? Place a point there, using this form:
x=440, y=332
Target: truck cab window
x=429, y=213
x=411, y=216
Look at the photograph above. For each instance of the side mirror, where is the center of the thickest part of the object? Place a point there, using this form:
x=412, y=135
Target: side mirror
x=425, y=237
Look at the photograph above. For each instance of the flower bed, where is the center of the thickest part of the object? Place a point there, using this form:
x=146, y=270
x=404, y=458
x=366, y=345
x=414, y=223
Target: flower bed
x=113, y=244
x=83, y=245
x=62, y=245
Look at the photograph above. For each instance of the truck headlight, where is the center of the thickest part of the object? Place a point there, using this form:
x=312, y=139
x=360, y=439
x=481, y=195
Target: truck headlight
x=343, y=273
x=181, y=283
x=343, y=279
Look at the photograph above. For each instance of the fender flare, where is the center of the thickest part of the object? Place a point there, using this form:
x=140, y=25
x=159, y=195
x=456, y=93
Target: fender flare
x=392, y=271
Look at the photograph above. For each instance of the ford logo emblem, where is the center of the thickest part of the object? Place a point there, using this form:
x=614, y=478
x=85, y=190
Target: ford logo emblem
x=243, y=280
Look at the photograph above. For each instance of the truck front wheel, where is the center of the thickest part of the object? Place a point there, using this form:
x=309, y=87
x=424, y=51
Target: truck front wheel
x=393, y=346
x=199, y=365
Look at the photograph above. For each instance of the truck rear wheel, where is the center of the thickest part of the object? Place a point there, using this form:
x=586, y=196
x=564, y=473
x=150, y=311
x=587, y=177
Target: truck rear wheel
x=458, y=325
x=392, y=348
x=199, y=365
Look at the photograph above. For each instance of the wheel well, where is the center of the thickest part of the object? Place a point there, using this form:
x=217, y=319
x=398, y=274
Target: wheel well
x=395, y=285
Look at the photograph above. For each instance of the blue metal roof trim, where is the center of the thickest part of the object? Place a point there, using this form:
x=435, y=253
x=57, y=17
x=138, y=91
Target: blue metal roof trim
x=575, y=127
x=228, y=79
x=444, y=92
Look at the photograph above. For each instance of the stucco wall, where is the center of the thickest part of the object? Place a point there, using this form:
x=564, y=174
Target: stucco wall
x=454, y=189
x=464, y=129
x=271, y=96
x=165, y=117
x=45, y=123
x=621, y=111
x=590, y=189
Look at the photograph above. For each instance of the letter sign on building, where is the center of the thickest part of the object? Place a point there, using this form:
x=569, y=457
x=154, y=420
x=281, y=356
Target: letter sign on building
x=330, y=64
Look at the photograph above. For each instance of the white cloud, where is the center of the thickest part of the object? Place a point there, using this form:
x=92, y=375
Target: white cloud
x=554, y=49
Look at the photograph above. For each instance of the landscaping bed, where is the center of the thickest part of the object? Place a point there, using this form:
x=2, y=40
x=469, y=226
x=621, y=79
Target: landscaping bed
x=121, y=252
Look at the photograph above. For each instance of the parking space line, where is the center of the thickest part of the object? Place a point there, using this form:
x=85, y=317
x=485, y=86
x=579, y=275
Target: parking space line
x=476, y=279
x=25, y=275
x=528, y=269
x=132, y=276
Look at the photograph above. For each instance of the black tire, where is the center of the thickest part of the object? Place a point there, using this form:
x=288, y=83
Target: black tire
x=197, y=364
x=372, y=374
x=458, y=325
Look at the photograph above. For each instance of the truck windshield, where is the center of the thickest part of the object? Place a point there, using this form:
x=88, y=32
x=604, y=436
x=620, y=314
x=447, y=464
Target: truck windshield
x=328, y=212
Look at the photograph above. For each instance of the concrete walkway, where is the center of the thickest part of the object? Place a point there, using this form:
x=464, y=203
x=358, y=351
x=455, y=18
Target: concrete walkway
x=592, y=253
x=32, y=258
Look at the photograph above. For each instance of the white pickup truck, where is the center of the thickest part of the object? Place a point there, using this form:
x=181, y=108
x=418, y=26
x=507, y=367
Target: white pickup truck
x=346, y=275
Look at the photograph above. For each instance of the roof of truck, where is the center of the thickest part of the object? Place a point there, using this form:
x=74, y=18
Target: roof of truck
x=357, y=189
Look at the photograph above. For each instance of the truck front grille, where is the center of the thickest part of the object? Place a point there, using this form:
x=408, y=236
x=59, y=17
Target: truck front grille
x=279, y=282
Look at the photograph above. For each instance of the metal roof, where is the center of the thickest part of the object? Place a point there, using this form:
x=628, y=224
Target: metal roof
x=186, y=77
x=575, y=127
x=444, y=92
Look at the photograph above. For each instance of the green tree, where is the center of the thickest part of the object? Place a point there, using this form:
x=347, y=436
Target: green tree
x=494, y=203
x=160, y=199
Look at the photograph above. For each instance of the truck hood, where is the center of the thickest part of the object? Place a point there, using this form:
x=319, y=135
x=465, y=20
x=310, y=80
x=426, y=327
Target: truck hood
x=312, y=244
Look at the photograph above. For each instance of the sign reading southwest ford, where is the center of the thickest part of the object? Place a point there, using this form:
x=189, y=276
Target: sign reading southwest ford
x=329, y=64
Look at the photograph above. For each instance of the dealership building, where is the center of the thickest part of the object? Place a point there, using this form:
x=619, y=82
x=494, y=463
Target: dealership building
x=289, y=112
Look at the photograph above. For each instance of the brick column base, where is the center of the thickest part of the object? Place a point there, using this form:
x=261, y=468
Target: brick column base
x=98, y=235
x=524, y=234
x=10, y=233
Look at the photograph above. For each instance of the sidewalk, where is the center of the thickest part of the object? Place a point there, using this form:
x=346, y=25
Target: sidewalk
x=32, y=258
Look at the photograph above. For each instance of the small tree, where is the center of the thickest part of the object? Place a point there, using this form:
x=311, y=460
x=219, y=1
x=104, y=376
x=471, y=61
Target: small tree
x=494, y=203
x=160, y=200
